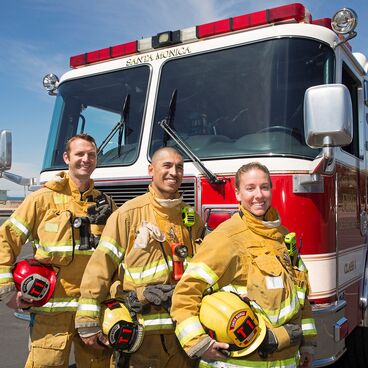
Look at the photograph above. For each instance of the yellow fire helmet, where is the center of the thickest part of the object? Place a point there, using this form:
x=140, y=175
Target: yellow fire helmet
x=123, y=333
x=228, y=318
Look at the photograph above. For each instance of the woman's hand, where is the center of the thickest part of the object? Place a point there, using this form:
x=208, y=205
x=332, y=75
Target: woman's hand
x=217, y=350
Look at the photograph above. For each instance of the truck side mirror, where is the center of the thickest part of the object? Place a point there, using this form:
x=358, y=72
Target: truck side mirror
x=328, y=116
x=5, y=150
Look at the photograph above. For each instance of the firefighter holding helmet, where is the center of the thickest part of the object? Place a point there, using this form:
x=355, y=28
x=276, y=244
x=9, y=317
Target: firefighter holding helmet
x=123, y=331
x=147, y=242
x=64, y=221
x=246, y=255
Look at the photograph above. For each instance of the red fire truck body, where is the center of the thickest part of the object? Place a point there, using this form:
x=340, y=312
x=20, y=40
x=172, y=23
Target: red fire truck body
x=234, y=92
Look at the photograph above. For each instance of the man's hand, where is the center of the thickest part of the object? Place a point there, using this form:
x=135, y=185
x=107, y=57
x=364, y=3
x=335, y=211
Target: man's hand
x=99, y=215
x=132, y=302
x=217, y=350
x=16, y=301
x=279, y=338
x=269, y=344
x=97, y=341
x=159, y=294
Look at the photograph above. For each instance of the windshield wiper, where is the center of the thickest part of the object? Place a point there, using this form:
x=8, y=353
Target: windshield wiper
x=170, y=117
x=118, y=127
x=83, y=124
x=166, y=125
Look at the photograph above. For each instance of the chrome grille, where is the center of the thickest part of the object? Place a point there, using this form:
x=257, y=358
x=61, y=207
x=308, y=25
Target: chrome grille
x=123, y=191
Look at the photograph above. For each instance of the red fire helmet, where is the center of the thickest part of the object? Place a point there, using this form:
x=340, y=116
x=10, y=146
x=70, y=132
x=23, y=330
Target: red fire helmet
x=36, y=281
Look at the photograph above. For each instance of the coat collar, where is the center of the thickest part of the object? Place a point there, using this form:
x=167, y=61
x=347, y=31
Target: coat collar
x=165, y=211
x=269, y=227
x=64, y=184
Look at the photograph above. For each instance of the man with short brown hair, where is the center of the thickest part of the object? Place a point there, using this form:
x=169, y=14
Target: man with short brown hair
x=46, y=217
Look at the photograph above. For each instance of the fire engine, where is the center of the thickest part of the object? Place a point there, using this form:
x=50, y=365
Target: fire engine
x=274, y=86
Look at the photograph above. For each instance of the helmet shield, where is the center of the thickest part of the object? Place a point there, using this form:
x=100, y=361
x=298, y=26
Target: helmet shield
x=125, y=336
x=34, y=287
x=228, y=318
x=36, y=281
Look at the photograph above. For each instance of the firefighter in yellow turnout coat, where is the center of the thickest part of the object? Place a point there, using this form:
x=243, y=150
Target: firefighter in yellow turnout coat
x=247, y=255
x=136, y=243
x=45, y=218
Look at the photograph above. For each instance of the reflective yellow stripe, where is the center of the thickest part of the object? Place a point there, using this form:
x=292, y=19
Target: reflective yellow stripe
x=189, y=329
x=58, y=305
x=289, y=308
x=6, y=275
x=237, y=289
x=19, y=225
x=61, y=250
x=159, y=321
x=112, y=248
x=202, y=272
x=234, y=363
x=301, y=295
x=91, y=304
x=65, y=246
x=88, y=307
x=147, y=273
x=309, y=327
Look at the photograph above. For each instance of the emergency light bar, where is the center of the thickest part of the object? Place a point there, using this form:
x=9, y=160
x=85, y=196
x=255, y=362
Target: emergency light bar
x=287, y=13
x=104, y=54
x=293, y=12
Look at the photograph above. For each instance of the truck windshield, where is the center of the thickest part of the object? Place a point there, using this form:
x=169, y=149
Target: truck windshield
x=93, y=105
x=245, y=100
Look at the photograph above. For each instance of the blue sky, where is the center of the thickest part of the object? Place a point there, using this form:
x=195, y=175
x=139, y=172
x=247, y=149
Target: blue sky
x=39, y=36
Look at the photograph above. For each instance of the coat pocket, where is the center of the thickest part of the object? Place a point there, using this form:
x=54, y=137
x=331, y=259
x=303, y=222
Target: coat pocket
x=266, y=282
x=50, y=340
x=273, y=289
x=301, y=281
x=51, y=351
x=55, y=238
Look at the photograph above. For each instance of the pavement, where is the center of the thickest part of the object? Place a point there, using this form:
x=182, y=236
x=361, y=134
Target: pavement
x=13, y=339
x=14, y=332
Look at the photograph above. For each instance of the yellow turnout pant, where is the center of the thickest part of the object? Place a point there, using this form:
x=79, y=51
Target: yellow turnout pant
x=51, y=338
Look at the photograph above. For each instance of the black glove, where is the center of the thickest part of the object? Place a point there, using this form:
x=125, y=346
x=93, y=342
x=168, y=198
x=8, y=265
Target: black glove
x=132, y=303
x=276, y=339
x=269, y=344
x=295, y=333
x=99, y=214
x=159, y=294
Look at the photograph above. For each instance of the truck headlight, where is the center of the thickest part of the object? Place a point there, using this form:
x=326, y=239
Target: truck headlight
x=50, y=82
x=344, y=21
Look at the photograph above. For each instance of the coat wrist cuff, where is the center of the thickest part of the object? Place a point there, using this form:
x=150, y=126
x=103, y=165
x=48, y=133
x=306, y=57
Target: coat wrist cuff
x=88, y=331
x=198, y=349
x=282, y=337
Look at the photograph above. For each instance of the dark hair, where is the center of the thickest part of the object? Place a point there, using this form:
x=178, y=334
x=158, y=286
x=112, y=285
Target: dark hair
x=248, y=167
x=83, y=136
x=165, y=149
